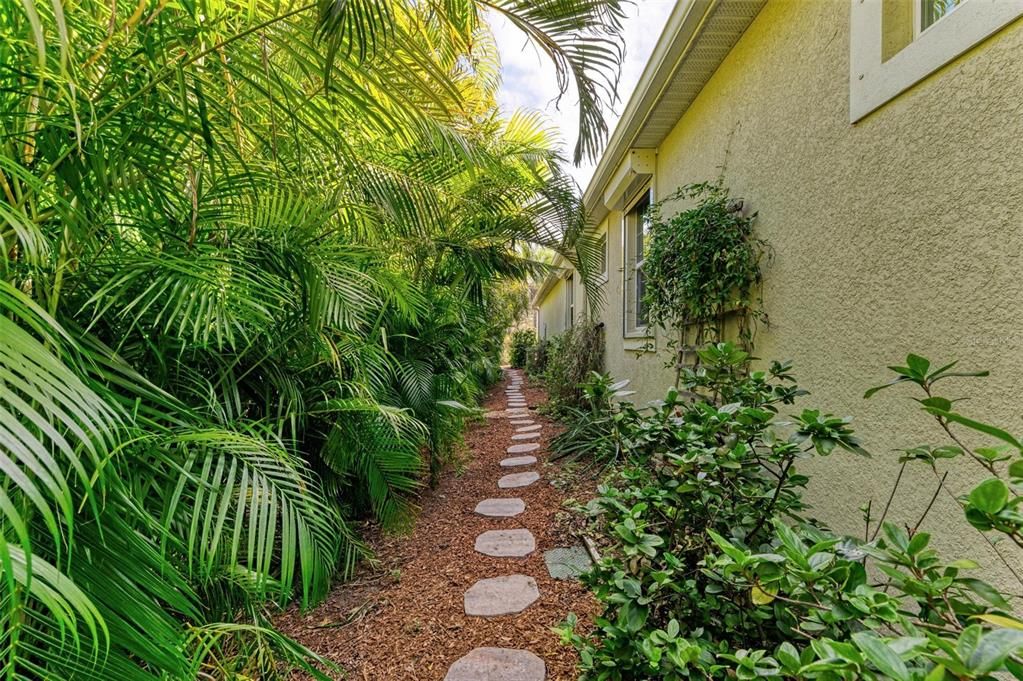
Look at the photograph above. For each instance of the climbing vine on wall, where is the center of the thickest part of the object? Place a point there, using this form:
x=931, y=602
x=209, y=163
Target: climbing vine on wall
x=702, y=267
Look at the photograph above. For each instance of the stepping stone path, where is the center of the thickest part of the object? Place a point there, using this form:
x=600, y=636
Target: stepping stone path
x=513, y=480
x=506, y=543
x=501, y=508
x=513, y=593
x=567, y=563
x=518, y=461
x=498, y=664
x=501, y=596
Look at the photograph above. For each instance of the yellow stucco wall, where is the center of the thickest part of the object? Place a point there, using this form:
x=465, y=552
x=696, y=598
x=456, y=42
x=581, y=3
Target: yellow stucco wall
x=551, y=320
x=901, y=233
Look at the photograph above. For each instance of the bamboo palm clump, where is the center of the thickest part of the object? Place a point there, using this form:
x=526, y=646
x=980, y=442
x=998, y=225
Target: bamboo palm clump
x=250, y=283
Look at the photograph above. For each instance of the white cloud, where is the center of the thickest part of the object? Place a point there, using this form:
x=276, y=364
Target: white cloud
x=529, y=78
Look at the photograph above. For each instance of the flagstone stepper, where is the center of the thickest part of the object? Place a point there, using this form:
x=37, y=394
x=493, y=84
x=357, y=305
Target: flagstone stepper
x=523, y=449
x=526, y=436
x=500, y=596
x=514, y=480
x=522, y=422
x=498, y=664
x=518, y=461
x=529, y=429
x=506, y=543
x=507, y=507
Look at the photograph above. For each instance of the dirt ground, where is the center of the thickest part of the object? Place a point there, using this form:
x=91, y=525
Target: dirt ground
x=402, y=618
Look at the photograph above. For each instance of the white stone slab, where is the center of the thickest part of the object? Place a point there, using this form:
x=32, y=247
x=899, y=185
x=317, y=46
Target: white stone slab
x=529, y=429
x=526, y=436
x=498, y=664
x=523, y=449
x=500, y=596
x=523, y=422
x=501, y=508
x=516, y=461
x=513, y=480
x=506, y=543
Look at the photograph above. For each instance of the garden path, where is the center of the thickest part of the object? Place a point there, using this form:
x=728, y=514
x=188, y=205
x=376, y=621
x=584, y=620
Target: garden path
x=467, y=595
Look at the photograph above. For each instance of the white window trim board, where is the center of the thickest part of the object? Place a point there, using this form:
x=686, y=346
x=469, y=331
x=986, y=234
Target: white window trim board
x=873, y=83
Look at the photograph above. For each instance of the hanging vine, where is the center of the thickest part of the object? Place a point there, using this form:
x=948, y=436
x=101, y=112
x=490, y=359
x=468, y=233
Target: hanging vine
x=702, y=266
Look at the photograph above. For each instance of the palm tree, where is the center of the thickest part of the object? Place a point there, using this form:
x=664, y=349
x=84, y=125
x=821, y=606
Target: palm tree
x=250, y=253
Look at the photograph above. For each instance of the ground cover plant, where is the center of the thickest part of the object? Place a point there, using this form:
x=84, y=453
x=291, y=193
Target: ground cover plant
x=714, y=569
x=251, y=259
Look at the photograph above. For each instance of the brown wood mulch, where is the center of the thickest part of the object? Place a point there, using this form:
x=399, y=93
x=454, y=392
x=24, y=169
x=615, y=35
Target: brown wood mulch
x=402, y=618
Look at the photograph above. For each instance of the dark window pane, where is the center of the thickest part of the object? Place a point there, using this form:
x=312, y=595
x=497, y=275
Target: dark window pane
x=640, y=305
x=932, y=10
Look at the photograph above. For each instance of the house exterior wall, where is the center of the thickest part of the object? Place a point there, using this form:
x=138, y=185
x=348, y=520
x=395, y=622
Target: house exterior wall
x=552, y=311
x=901, y=233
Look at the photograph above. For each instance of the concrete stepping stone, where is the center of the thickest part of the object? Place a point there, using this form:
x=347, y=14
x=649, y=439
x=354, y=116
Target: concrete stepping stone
x=523, y=449
x=529, y=428
x=500, y=596
x=506, y=543
x=498, y=664
x=513, y=480
x=507, y=507
x=567, y=563
x=518, y=461
x=526, y=436
x=518, y=403
x=522, y=422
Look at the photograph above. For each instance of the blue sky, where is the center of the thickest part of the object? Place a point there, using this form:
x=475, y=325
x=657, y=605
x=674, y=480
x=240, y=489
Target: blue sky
x=529, y=81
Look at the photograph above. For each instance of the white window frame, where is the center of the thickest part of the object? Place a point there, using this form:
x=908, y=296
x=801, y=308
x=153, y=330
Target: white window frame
x=628, y=268
x=873, y=82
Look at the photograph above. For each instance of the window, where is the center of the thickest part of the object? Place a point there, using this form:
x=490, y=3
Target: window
x=570, y=301
x=929, y=11
x=602, y=255
x=895, y=44
x=637, y=225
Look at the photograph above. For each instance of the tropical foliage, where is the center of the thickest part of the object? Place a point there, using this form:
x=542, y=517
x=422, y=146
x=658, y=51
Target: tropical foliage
x=700, y=265
x=565, y=362
x=714, y=569
x=522, y=343
x=250, y=258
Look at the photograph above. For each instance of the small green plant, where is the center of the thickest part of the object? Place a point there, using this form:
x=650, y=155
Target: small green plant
x=701, y=264
x=714, y=570
x=597, y=431
x=522, y=343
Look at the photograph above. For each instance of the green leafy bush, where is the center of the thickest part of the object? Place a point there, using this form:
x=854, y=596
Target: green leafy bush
x=522, y=343
x=714, y=571
x=567, y=361
x=596, y=432
x=701, y=264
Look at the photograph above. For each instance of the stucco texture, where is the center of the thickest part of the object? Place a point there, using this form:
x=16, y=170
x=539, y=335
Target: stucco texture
x=551, y=320
x=901, y=233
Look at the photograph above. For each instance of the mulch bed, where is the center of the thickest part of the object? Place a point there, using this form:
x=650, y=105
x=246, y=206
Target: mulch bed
x=402, y=619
